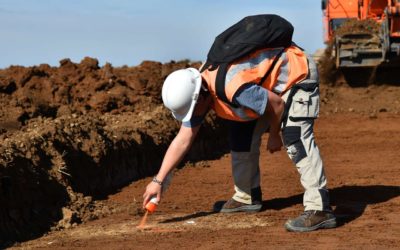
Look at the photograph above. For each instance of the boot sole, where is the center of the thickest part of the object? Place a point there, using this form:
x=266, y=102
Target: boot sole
x=247, y=208
x=331, y=223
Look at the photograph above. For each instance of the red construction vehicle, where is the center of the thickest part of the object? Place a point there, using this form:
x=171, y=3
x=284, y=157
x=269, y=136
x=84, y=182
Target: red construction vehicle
x=355, y=48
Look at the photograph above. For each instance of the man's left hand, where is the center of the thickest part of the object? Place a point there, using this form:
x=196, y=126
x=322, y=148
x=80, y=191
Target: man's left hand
x=274, y=143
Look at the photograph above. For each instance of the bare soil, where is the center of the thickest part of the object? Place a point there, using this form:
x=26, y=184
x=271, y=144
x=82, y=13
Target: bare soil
x=73, y=167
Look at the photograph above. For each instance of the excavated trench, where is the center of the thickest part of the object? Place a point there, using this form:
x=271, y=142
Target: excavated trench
x=73, y=134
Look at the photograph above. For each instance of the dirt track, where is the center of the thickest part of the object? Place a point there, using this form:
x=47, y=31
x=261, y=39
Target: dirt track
x=101, y=139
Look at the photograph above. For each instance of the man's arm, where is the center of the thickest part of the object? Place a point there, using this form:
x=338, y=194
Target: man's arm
x=176, y=151
x=264, y=103
x=273, y=112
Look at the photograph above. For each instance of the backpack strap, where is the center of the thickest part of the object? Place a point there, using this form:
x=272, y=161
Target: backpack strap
x=272, y=66
x=220, y=83
x=210, y=66
x=205, y=66
x=221, y=76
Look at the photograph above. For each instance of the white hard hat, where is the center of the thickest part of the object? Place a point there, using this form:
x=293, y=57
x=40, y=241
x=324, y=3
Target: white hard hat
x=180, y=92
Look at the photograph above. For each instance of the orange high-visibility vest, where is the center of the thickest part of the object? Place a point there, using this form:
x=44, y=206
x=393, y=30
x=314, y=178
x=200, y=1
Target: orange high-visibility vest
x=291, y=68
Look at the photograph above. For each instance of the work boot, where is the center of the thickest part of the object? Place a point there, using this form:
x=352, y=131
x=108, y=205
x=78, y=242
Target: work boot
x=311, y=220
x=235, y=206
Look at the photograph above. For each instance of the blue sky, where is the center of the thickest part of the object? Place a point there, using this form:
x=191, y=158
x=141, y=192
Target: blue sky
x=126, y=32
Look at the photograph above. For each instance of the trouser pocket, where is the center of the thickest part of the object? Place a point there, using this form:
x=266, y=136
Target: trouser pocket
x=305, y=105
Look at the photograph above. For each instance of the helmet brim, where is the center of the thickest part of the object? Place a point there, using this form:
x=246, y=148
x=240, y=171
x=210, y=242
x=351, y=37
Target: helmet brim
x=188, y=115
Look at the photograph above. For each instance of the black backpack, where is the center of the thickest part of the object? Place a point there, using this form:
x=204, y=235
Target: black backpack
x=248, y=35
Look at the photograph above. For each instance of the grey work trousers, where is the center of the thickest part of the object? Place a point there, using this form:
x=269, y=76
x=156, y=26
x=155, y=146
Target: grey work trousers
x=298, y=137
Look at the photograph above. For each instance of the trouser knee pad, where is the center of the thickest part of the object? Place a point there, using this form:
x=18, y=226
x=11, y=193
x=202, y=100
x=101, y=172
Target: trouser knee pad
x=293, y=143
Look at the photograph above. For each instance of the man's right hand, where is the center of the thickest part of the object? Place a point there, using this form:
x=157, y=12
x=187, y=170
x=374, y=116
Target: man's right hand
x=176, y=151
x=152, y=189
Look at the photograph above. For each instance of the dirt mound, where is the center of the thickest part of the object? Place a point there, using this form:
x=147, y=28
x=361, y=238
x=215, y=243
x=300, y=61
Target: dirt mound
x=73, y=134
x=329, y=74
x=80, y=88
x=351, y=26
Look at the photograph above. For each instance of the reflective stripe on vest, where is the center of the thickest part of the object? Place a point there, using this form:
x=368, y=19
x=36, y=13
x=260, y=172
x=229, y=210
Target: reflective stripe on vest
x=290, y=69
